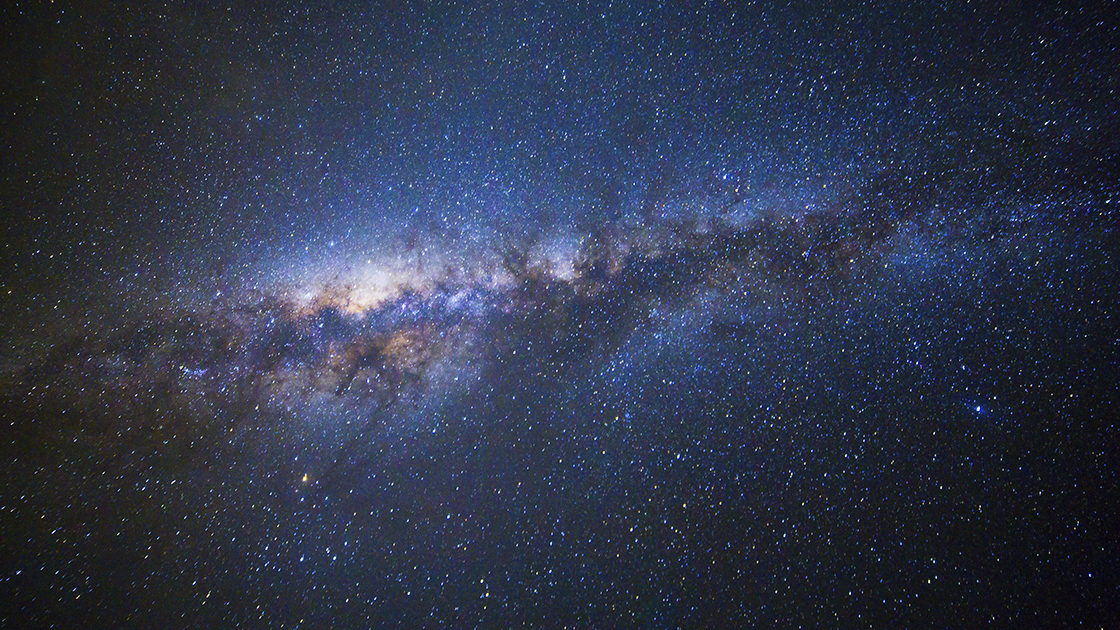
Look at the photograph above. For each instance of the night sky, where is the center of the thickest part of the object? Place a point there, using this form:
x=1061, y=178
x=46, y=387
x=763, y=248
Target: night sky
x=584, y=315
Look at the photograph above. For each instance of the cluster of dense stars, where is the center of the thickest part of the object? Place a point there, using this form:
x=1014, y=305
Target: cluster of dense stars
x=817, y=418
x=550, y=316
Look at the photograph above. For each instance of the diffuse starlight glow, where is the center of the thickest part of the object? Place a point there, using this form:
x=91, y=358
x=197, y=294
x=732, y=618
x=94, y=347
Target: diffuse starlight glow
x=468, y=315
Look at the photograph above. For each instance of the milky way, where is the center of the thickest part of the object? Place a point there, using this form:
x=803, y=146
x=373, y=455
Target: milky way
x=551, y=316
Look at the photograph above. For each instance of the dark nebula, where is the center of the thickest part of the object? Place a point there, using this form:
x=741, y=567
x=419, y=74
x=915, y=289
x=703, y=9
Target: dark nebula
x=559, y=315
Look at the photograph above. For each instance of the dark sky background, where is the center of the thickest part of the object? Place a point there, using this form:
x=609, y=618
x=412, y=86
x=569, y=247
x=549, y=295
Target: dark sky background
x=530, y=315
x=166, y=141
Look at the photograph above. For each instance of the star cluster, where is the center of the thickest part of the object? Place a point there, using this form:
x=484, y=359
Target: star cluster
x=429, y=315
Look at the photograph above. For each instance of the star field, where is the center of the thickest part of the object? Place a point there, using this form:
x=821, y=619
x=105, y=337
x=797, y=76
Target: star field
x=600, y=315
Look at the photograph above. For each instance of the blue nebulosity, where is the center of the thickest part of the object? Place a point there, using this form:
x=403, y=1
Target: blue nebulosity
x=558, y=315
